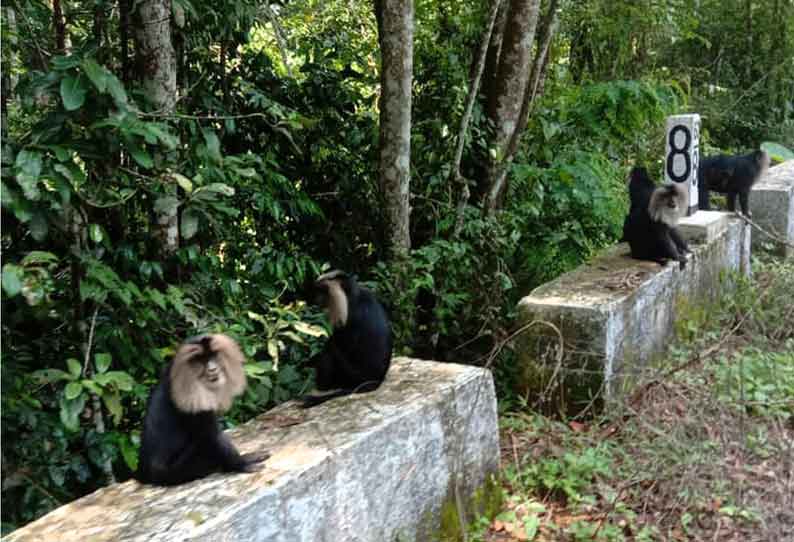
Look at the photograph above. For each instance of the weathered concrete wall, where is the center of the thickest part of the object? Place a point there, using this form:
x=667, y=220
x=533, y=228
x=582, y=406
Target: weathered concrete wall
x=772, y=206
x=617, y=314
x=371, y=467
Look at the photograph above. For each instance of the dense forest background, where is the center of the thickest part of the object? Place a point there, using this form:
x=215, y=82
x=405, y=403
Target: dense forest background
x=174, y=167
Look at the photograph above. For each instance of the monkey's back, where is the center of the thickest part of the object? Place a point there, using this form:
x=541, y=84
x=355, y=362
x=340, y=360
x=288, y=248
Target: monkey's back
x=724, y=174
x=366, y=339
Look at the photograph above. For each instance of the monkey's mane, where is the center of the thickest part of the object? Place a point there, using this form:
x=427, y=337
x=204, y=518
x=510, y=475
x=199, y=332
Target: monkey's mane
x=338, y=304
x=188, y=391
x=660, y=212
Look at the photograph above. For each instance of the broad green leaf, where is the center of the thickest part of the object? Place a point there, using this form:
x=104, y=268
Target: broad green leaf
x=75, y=369
x=95, y=233
x=309, y=329
x=39, y=257
x=157, y=297
x=28, y=164
x=160, y=133
x=73, y=92
x=218, y=188
x=183, y=182
x=71, y=410
x=96, y=73
x=294, y=337
x=71, y=171
x=93, y=387
x=73, y=390
x=38, y=226
x=272, y=351
x=166, y=205
x=102, y=361
x=113, y=403
x=140, y=154
x=64, y=62
x=120, y=379
x=48, y=376
x=213, y=145
x=116, y=91
x=190, y=221
x=258, y=368
x=129, y=451
x=12, y=279
x=777, y=152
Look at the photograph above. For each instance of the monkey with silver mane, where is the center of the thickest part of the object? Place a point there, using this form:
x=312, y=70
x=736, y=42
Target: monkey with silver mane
x=650, y=227
x=357, y=355
x=182, y=440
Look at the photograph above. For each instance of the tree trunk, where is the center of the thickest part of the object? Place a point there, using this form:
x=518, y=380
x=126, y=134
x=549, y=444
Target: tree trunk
x=157, y=69
x=395, y=35
x=476, y=76
x=124, y=39
x=10, y=61
x=494, y=51
x=547, y=30
x=59, y=27
x=512, y=82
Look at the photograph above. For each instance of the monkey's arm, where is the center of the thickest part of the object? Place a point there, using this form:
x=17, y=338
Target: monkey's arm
x=231, y=460
x=664, y=238
x=679, y=241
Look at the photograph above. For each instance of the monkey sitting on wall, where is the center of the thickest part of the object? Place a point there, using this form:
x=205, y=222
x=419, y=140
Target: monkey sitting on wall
x=650, y=227
x=731, y=175
x=181, y=438
x=357, y=355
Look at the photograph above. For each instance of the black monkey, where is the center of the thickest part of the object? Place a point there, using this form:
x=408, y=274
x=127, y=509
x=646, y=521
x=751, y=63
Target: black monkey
x=357, y=355
x=650, y=227
x=181, y=437
x=731, y=175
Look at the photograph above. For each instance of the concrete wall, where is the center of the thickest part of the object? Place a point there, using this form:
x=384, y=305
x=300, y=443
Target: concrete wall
x=772, y=206
x=616, y=314
x=371, y=467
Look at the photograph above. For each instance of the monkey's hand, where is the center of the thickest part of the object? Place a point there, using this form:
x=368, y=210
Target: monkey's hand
x=253, y=461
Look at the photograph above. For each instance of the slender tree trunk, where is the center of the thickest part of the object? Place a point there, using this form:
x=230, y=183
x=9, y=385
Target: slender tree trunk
x=539, y=66
x=491, y=71
x=59, y=27
x=749, y=20
x=395, y=35
x=505, y=105
x=477, y=72
x=10, y=61
x=158, y=74
x=531, y=93
x=124, y=39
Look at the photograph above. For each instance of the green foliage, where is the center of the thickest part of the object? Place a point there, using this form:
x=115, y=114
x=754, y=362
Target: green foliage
x=269, y=163
x=569, y=476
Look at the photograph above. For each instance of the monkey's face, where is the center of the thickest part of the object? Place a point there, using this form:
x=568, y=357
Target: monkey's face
x=210, y=371
x=207, y=374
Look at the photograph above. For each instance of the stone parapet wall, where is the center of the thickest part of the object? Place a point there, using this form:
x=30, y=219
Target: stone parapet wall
x=372, y=467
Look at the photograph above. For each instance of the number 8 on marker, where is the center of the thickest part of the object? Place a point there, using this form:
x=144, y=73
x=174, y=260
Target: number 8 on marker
x=674, y=151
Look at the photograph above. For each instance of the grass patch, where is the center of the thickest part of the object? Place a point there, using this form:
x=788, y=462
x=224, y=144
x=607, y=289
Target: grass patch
x=703, y=450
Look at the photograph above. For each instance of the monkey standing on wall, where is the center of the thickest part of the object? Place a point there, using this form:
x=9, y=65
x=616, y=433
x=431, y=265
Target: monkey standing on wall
x=181, y=438
x=357, y=355
x=650, y=227
x=731, y=175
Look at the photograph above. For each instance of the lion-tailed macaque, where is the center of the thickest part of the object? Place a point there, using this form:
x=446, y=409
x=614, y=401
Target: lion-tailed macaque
x=357, y=355
x=650, y=227
x=182, y=440
x=731, y=175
